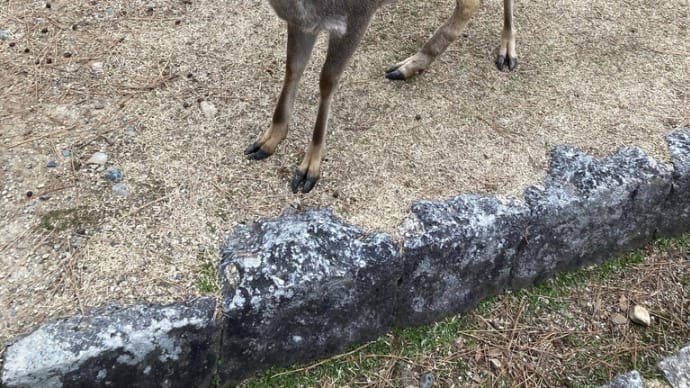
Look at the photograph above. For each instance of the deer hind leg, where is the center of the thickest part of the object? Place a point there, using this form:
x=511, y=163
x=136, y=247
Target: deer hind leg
x=444, y=36
x=340, y=50
x=299, y=47
x=507, y=48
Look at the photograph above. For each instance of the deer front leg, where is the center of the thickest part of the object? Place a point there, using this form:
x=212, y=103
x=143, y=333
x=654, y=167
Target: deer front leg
x=507, y=48
x=439, y=42
x=299, y=47
x=340, y=50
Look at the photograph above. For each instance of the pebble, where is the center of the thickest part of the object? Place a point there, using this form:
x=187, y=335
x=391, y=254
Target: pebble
x=4, y=35
x=114, y=175
x=97, y=67
x=130, y=130
x=109, y=11
x=640, y=315
x=65, y=152
x=97, y=158
x=121, y=190
x=52, y=163
x=426, y=380
x=619, y=319
x=495, y=363
x=208, y=108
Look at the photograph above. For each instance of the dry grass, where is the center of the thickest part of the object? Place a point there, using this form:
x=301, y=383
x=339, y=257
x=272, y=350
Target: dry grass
x=594, y=75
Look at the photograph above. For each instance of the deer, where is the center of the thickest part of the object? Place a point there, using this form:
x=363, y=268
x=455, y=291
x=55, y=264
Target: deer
x=346, y=22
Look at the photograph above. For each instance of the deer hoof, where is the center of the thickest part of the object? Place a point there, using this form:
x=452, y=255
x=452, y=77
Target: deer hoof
x=309, y=182
x=254, y=152
x=512, y=64
x=500, y=63
x=394, y=74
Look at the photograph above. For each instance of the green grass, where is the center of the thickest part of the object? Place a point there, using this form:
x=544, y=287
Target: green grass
x=206, y=276
x=63, y=219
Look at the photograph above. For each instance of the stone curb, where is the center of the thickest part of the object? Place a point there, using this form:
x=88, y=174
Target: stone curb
x=305, y=286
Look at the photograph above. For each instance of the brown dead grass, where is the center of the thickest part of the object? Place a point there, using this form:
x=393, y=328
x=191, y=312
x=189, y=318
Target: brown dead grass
x=598, y=76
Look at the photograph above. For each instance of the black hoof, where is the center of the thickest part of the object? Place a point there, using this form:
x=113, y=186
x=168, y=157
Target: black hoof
x=395, y=75
x=392, y=69
x=512, y=64
x=500, y=62
x=254, y=152
x=309, y=182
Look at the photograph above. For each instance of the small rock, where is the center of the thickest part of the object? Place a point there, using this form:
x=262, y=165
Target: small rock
x=114, y=175
x=97, y=67
x=640, y=315
x=52, y=163
x=495, y=363
x=687, y=257
x=208, y=108
x=426, y=380
x=619, y=319
x=109, y=11
x=121, y=190
x=99, y=105
x=4, y=35
x=130, y=130
x=98, y=158
x=65, y=152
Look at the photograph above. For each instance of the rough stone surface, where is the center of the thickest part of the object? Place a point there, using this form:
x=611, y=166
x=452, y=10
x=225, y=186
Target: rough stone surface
x=139, y=346
x=456, y=253
x=302, y=287
x=626, y=380
x=675, y=219
x=590, y=210
x=676, y=368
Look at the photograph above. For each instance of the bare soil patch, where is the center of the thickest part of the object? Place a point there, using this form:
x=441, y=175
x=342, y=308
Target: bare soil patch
x=127, y=78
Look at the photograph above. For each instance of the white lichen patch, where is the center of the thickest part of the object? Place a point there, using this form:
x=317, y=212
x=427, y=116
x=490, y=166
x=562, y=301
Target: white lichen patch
x=58, y=348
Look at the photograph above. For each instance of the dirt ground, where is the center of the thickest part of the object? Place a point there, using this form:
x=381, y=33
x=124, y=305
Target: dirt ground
x=127, y=78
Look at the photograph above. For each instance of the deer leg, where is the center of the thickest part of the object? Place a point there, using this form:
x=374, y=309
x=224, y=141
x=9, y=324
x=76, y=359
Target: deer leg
x=444, y=36
x=299, y=47
x=340, y=50
x=507, y=48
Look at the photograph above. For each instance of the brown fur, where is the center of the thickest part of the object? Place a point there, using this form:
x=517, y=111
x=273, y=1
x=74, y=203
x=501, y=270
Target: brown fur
x=346, y=21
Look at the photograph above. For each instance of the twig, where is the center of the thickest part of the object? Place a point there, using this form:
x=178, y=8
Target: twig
x=515, y=323
x=312, y=366
x=56, y=132
x=136, y=210
x=10, y=243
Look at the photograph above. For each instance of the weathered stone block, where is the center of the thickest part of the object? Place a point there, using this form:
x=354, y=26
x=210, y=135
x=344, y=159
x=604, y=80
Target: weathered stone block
x=675, y=219
x=676, y=368
x=138, y=346
x=590, y=210
x=456, y=253
x=301, y=287
x=627, y=380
